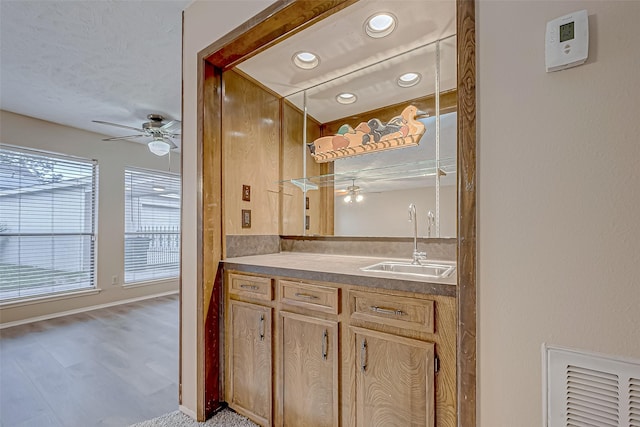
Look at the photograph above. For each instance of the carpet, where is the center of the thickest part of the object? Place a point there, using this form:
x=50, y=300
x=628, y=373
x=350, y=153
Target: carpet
x=224, y=418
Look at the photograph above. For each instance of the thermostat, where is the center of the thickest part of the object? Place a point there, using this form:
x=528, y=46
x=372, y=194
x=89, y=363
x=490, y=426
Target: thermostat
x=567, y=41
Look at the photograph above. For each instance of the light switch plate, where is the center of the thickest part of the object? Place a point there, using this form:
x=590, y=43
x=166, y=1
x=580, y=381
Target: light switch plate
x=246, y=193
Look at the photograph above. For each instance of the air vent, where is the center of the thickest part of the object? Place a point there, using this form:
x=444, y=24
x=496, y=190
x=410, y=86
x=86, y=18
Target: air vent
x=634, y=402
x=589, y=390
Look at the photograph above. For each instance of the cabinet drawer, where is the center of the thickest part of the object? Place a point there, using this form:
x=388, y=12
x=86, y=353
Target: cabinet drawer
x=314, y=297
x=392, y=310
x=250, y=287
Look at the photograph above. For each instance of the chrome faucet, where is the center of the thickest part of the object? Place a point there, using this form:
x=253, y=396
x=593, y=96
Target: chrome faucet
x=417, y=256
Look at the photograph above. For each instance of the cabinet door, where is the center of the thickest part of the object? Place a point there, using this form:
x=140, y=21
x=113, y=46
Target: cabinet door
x=248, y=389
x=394, y=380
x=309, y=367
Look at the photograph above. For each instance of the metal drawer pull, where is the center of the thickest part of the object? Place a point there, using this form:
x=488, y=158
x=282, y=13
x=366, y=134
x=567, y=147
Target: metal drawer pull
x=325, y=344
x=262, y=327
x=252, y=287
x=305, y=296
x=390, y=311
x=363, y=355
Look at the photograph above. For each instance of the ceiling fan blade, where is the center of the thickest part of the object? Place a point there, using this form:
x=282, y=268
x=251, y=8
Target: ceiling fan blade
x=117, y=125
x=172, y=125
x=116, y=138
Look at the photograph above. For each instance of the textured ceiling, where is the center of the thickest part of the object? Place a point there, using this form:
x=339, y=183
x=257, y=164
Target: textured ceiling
x=71, y=62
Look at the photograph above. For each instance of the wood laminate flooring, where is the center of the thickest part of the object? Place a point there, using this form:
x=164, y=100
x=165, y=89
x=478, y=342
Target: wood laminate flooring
x=109, y=367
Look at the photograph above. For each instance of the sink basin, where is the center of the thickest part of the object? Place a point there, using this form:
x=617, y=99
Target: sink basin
x=430, y=269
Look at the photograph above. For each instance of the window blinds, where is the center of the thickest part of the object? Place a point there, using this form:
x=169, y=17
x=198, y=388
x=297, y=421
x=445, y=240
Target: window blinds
x=47, y=223
x=152, y=226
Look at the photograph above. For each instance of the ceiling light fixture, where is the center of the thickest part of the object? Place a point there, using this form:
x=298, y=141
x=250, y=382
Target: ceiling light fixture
x=305, y=60
x=346, y=98
x=380, y=25
x=159, y=146
x=409, y=79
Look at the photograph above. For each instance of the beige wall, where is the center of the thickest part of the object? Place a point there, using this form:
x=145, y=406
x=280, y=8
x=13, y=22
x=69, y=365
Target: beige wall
x=112, y=159
x=559, y=198
x=203, y=24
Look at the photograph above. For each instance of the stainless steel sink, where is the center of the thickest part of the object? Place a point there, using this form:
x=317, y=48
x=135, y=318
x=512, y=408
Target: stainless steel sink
x=430, y=269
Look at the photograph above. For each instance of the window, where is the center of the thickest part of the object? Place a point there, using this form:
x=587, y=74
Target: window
x=47, y=223
x=152, y=226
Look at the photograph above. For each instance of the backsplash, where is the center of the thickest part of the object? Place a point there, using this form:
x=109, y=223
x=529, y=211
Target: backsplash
x=245, y=245
x=393, y=247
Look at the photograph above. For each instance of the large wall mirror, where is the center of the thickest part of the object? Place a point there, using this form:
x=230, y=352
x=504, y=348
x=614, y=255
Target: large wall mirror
x=367, y=194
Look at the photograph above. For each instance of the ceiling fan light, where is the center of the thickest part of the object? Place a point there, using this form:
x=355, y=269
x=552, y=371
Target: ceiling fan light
x=159, y=147
x=359, y=198
x=348, y=199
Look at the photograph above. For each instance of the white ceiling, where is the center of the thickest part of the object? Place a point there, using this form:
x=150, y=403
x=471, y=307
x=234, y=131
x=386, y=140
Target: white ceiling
x=71, y=62
x=342, y=46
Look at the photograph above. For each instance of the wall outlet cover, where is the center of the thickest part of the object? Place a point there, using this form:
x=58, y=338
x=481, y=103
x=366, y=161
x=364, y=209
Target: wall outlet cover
x=246, y=218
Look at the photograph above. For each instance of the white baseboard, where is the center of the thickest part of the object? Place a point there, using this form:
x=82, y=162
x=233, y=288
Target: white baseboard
x=187, y=412
x=84, y=309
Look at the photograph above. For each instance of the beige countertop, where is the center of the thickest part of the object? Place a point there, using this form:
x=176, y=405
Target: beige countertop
x=339, y=269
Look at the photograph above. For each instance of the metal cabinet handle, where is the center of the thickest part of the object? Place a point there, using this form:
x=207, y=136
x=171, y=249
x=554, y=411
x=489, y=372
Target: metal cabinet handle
x=305, y=296
x=363, y=355
x=262, y=327
x=325, y=344
x=391, y=311
x=252, y=287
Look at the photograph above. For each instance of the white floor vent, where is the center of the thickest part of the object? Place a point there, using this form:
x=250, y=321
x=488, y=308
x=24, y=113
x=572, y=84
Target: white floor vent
x=590, y=390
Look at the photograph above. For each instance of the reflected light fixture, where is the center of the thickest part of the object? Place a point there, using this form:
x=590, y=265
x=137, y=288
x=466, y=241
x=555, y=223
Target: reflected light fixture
x=305, y=60
x=159, y=146
x=346, y=98
x=380, y=25
x=409, y=79
x=157, y=187
x=353, y=193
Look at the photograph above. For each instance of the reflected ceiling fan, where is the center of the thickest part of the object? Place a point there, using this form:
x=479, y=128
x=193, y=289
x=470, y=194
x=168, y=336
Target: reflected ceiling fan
x=156, y=128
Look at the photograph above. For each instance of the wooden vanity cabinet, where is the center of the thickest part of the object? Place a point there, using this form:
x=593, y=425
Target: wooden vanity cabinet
x=248, y=343
x=343, y=355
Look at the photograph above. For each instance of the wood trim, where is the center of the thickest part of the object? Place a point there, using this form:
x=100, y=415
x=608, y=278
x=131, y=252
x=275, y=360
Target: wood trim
x=274, y=24
x=211, y=184
x=466, y=213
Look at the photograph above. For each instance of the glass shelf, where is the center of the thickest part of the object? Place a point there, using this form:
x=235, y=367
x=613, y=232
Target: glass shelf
x=425, y=168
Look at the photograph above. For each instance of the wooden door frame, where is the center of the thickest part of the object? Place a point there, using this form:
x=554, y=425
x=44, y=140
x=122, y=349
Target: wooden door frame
x=276, y=23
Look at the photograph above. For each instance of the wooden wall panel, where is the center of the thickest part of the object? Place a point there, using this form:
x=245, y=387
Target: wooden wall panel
x=251, y=155
x=292, y=151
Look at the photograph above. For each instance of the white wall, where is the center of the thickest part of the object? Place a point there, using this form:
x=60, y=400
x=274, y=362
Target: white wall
x=203, y=24
x=386, y=214
x=559, y=198
x=112, y=159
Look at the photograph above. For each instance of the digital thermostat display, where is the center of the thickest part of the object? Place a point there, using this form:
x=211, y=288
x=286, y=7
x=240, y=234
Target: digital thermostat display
x=566, y=32
x=566, y=41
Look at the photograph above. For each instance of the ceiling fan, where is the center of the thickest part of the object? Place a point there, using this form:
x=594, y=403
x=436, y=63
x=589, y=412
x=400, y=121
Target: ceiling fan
x=155, y=128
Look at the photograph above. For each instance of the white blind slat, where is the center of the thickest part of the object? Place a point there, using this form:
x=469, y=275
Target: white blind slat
x=47, y=223
x=152, y=226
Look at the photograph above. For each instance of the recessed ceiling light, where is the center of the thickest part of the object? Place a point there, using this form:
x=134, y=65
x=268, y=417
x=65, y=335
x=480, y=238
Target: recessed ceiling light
x=306, y=60
x=408, y=79
x=380, y=25
x=346, y=98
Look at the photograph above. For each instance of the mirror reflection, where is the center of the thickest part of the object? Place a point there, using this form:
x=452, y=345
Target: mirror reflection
x=337, y=93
